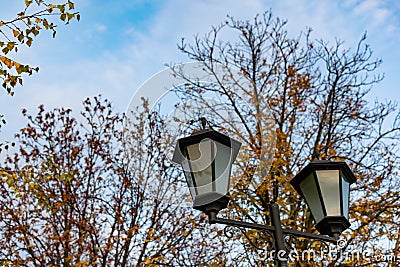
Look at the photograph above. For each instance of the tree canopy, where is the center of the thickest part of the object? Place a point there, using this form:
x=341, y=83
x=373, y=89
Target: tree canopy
x=74, y=196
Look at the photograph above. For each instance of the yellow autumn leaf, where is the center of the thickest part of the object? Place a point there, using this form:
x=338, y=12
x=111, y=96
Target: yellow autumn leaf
x=8, y=62
x=10, y=45
x=31, y=186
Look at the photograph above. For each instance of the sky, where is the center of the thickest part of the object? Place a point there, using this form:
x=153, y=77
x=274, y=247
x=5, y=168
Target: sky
x=119, y=44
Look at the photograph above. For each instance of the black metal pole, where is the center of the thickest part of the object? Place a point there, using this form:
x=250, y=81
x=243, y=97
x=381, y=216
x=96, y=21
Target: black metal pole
x=280, y=253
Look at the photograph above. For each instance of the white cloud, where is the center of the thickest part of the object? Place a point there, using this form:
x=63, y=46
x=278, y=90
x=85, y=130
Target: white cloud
x=366, y=6
x=101, y=27
x=376, y=14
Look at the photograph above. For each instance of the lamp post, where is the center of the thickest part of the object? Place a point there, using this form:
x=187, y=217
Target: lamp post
x=207, y=156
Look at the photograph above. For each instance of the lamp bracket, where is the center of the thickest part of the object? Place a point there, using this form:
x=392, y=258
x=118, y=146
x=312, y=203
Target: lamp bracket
x=291, y=241
x=213, y=219
x=263, y=235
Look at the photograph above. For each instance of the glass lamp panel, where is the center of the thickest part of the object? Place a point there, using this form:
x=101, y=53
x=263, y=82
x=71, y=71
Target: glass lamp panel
x=188, y=175
x=345, y=196
x=223, y=162
x=189, y=178
x=189, y=181
x=310, y=191
x=330, y=189
x=200, y=159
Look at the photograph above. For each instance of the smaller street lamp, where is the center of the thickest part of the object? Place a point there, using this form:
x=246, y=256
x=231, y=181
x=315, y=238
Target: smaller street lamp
x=325, y=185
x=207, y=156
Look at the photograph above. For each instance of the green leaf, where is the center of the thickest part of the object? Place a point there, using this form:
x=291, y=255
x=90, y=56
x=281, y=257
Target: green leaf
x=10, y=45
x=70, y=16
x=61, y=8
x=5, y=50
x=35, y=31
x=21, y=37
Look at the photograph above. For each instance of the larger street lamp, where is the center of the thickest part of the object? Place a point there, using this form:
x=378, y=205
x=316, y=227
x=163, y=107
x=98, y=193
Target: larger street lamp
x=207, y=156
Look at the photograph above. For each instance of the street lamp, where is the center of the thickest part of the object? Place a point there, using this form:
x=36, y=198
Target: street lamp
x=206, y=158
x=325, y=185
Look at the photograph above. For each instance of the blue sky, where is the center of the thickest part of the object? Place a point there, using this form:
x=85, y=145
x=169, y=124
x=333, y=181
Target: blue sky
x=119, y=44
